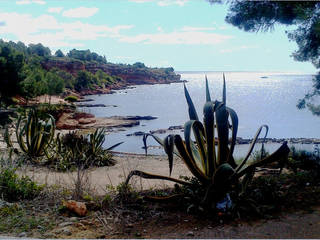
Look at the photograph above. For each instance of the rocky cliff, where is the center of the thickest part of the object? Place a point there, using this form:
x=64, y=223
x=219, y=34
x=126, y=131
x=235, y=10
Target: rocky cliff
x=130, y=74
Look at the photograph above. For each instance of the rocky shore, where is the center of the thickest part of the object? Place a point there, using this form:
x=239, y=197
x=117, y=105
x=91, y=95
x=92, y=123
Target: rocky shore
x=82, y=120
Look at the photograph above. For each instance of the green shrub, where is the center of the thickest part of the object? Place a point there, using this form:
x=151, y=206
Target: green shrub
x=75, y=150
x=14, y=188
x=71, y=98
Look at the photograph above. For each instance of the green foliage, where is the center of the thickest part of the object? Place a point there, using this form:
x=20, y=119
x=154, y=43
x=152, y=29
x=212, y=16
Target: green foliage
x=73, y=150
x=302, y=159
x=11, y=65
x=139, y=65
x=71, y=99
x=86, y=55
x=257, y=16
x=84, y=80
x=14, y=188
x=39, y=49
x=34, y=134
x=15, y=219
x=59, y=53
x=214, y=168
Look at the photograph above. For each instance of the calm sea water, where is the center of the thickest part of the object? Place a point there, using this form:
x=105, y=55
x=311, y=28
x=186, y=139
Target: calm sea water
x=269, y=100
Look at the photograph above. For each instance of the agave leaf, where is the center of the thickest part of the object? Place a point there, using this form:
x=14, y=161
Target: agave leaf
x=196, y=152
x=224, y=91
x=7, y=138
x=114, y=146
x=223, y=133
x=192, y=166
x=208, y=98
x=158, y=140
x=168, y=148
x=208, y=113
x=252, y=145
x=192, y=111
x=282, y=152
x=154, y=176
x=235, y=122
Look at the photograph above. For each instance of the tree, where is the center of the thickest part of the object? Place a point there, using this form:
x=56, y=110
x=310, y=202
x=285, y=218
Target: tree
x=11, y=64
x=83, y=80
x=255, y=16
x=55, y=84
x=39, y=50
x=59, y=53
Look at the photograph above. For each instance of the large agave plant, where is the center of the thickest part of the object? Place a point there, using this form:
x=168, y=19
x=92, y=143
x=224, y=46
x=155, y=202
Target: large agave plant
x=213, y=166
x=33, y=134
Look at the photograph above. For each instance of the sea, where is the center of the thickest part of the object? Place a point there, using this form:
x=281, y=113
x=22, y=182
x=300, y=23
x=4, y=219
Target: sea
x=258, y=98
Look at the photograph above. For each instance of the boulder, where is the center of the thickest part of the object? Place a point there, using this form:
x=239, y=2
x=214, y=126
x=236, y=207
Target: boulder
x=77, y=207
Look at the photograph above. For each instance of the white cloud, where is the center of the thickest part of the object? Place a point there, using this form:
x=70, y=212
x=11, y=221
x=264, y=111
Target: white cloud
x=177, y=37
x=52, y=33
x=80, y=12
x=189, y=28
x=55, y=9
x=163, y=3
x=24, y=2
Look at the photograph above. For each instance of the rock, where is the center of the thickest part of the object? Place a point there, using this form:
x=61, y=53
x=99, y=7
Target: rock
x=176, y=127
x=22, y=235
x=66, y=231
x=64, y=224
x=190, y=234
x=139, y=133
x=159, y=131
x=49, y=235
x=77, y=207
x=5, y=204
x=91, y=105
x=140, y=117
x=129, y=225
x=73, y=219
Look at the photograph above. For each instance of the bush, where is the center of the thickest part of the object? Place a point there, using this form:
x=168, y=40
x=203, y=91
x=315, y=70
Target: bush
x=14, y=188
x=74, y=150
x=71, y=99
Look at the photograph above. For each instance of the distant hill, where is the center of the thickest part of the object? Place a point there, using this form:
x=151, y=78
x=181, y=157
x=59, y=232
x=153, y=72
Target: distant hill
x=33, y=70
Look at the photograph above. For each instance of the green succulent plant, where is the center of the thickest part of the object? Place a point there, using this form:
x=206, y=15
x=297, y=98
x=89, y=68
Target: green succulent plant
x=73, y=149
x=33, y=134
x=213, y=166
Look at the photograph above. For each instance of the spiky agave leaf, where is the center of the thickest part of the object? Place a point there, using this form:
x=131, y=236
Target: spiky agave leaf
x=252, y=145
x=208, y=98
x=208, y=120
x=191, y=109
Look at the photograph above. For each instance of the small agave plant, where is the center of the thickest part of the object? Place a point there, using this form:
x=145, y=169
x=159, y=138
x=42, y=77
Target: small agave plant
x=33, y=134
x=215, y=168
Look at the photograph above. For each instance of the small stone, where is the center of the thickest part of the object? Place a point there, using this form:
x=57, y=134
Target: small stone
x=22, y=235
x=129, y=225
x=190, y=234
x=49, y=235
x=209, y=227
x=66, y=231
x=73, y=219
x=64, y=224
x=138, y=234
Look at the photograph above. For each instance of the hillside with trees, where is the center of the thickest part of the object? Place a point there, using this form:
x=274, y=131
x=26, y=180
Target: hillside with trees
x=31, y=71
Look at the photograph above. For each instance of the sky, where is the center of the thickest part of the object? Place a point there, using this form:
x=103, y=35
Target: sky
x=188, y=35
